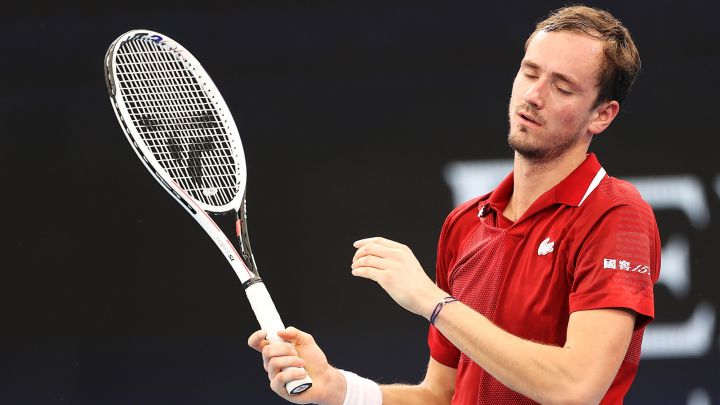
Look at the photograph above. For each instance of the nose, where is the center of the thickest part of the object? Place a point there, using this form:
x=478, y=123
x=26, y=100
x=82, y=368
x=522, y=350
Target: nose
x=534, y=96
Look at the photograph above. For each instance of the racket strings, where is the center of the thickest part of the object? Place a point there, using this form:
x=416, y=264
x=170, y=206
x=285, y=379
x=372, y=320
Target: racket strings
x=178, y=121
x=180, y=148
x=202, y=120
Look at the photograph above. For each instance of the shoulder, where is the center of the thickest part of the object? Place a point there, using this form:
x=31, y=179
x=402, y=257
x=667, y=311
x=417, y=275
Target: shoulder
x=612, y=193
x=617, y=208
x=465, y=210
x=614, y=207
x=459, y=223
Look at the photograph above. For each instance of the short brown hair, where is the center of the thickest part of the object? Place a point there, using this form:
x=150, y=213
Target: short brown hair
x=622, y=60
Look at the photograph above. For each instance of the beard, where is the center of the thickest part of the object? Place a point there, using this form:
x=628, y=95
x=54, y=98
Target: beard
x=534, y=149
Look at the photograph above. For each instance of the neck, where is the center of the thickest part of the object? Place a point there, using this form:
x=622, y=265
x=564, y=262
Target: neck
x=532, y=179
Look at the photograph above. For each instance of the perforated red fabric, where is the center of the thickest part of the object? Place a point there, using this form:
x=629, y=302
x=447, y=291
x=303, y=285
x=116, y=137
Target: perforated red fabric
x=476, y=280
x=480, y=289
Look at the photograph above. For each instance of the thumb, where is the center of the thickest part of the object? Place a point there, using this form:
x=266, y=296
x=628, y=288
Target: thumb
x=296, y=336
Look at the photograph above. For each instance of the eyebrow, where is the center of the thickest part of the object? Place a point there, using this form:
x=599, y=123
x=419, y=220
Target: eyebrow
x=565, y=78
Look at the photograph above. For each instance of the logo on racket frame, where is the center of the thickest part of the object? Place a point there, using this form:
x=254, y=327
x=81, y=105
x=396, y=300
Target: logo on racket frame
x=155, y=38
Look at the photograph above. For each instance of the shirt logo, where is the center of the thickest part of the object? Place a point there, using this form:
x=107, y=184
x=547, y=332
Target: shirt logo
x=546, y=247
x=615, y=264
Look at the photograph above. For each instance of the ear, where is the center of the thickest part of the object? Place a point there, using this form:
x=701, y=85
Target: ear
x=604, y=114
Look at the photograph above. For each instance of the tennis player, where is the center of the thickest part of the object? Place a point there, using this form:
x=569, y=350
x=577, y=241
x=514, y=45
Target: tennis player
x=544, y=286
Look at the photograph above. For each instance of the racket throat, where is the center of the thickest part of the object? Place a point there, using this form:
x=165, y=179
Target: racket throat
x=243, y=238
x=244, y=245
x=251, y=281
x=230, y=223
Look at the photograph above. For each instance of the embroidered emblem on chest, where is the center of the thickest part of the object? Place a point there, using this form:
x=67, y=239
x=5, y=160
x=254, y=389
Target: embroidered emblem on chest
x=546, y=247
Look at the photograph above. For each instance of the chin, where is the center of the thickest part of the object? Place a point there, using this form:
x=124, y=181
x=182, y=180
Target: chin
x=532, y=154
x=521, y=144
x=525, y=149
x=520, y=138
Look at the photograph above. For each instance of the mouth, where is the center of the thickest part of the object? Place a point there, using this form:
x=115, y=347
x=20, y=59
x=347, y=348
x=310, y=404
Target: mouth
x=528, y=120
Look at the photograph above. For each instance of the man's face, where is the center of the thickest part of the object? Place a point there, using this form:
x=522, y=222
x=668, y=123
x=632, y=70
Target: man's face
x=553, y=94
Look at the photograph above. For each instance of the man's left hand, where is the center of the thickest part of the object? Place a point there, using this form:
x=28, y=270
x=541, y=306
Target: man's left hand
x=394, y=266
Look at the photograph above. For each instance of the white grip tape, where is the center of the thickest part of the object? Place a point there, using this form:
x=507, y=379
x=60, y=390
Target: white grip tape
x=269, y=319
x=264, y=309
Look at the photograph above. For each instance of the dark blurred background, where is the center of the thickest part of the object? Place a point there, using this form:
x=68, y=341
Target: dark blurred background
x=358, y=119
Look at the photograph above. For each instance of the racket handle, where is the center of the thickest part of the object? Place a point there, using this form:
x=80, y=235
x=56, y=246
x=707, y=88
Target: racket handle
x=269, y=319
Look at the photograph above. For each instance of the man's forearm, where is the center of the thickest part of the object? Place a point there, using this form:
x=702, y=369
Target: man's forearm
x=399, y=394
x=529, y=371
x=544, y=373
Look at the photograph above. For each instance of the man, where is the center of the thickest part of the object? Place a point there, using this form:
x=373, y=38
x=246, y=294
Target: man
x=553, y=271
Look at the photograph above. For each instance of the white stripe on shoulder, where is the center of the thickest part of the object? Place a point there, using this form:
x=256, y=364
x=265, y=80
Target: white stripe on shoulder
x=599, y=176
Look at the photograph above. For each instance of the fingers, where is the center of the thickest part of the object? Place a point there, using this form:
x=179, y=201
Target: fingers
x=370, y=261
x=282, y=361
x=271, y=351
x=257, y=340
x=374, y=255
x=375, y=249
x=368, y=266
x=362, y=242
x=368, y=272
x=277, y=364
x=278, y=381
x=379, y=241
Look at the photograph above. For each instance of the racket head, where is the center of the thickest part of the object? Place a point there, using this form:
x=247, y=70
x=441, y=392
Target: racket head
x=176, y=120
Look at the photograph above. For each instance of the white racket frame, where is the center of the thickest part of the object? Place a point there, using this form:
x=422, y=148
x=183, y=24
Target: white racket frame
x=256, y=291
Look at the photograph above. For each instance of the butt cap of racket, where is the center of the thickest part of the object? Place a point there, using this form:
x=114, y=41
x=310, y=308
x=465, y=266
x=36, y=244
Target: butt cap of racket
x=298, y=386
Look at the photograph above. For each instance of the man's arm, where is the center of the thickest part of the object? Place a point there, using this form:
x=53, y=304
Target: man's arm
x=329, y=385
x=579, y=372
x=437, y=388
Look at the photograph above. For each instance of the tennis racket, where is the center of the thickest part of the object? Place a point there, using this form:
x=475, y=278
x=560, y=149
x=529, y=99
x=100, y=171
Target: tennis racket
x=181, y=129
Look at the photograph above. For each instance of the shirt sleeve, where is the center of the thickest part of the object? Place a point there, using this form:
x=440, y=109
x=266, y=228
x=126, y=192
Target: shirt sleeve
x=618, y=263
x=441, y=349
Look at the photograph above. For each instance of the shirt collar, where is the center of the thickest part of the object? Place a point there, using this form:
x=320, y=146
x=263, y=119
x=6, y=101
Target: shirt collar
x=573, y=190
x=576, y=187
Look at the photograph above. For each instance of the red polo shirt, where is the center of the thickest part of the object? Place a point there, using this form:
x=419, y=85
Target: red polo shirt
x=589, y=242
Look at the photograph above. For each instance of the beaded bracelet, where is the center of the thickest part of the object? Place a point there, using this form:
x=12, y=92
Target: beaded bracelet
x=439, y=308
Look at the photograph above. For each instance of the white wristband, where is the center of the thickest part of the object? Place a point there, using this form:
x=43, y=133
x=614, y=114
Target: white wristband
x=361, y=391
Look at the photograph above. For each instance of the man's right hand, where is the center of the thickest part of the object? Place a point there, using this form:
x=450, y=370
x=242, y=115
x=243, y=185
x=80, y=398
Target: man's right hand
x=328, y=383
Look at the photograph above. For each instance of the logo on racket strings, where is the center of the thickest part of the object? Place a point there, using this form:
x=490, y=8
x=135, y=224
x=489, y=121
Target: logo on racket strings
x=210, y=191
x=186, y=150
